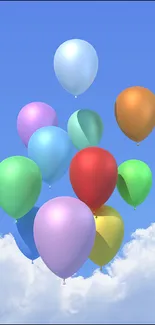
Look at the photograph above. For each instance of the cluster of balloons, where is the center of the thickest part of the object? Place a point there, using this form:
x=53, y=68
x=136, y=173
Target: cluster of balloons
x=65, y=231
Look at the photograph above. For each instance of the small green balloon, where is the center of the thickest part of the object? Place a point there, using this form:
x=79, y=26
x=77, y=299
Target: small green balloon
x=20, y=185
x=85, y=128
x=134, y=181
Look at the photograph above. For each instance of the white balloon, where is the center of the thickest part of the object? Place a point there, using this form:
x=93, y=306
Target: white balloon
x=76, y=65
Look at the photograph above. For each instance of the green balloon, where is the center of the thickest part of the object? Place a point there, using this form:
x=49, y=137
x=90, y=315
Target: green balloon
x=85, y=128
x=20, y=185
x=134, y=181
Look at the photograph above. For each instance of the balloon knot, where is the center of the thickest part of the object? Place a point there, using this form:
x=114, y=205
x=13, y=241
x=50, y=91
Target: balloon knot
x=75, y=96
x=100, y=268
x=64, y=282
x=134, y=208
x=32, y=262
x=50, y=187
x=138, y=144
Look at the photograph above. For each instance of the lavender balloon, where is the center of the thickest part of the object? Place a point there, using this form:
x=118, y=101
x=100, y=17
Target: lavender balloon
x=64, y=234
x=32, y=117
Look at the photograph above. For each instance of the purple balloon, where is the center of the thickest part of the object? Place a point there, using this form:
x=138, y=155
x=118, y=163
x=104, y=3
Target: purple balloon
x=34, y=116
x=64, y=234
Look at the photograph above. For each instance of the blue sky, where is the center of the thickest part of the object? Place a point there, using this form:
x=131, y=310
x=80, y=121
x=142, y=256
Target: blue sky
x=123, y=36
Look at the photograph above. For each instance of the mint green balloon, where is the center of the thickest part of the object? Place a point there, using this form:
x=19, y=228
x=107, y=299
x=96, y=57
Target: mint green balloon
x=134, y=181
x=85, y=128
x=20, y=185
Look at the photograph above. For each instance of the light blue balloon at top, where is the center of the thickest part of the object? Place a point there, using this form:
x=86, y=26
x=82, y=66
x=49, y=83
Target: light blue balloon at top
x=52, y=150
x=76, y=65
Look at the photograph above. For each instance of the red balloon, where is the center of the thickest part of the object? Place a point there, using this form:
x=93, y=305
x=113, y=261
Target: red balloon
x=93, y=175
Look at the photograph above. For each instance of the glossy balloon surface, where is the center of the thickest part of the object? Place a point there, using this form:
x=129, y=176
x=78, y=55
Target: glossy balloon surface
x=32, y=117
x=52, y=150
x=23, y=235
x=135, y=112
x=76, y=65
x=85, y=128
x=93, y=175
x=20, y=185
x=64, y=233
x=109, y=235
x=134, y=181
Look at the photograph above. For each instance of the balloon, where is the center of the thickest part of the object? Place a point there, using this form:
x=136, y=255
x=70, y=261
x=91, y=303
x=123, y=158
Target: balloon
x=135, y=112
x=93, y=175
x=76, y=65
x=51, y=149
x=85, y=128
x=134, y=181
x=64, y=233
x=32, y=117
x=23, y=235
x=20, y=185
x=109, y=235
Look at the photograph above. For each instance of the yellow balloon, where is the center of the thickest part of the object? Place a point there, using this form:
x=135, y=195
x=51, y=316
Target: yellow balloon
x=109, y=235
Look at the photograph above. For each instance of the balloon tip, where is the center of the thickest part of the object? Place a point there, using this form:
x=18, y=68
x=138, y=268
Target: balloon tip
x=49, y=187
x=134, y=208
x=64, y=282
x=138, y=144
x=75, y=96
x=32, y=262
x=100, y=268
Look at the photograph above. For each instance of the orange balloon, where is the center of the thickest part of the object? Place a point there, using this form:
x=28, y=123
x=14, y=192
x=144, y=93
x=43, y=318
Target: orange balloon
x=135, y=112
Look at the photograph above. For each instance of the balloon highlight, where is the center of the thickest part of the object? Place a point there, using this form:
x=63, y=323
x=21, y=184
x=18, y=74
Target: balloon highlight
x=135, y=112
x=93, y=175
x=64, y=233
x=52, y=150
x=134, y=181
x=76, y=65
x=85, y=128
x=32, y=117
x=109, y=235
x=20, y=185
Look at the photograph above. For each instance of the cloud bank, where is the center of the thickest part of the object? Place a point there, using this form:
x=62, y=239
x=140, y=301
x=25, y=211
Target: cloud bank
x=32, y=294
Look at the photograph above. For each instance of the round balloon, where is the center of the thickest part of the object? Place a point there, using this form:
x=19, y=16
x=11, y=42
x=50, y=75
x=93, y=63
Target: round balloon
x=85, y=128
x=135, y=112
x=20, y=185
x=93, y=175
x=109, y=235
x=134, y=181
x=51, y=148
x=23, y=235
x=64, y=233
x=32, y=117
x=76, y=65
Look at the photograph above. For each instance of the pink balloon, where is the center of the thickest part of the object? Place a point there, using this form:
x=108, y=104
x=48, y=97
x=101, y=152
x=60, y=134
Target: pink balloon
x=64, y=234
x=34, y=116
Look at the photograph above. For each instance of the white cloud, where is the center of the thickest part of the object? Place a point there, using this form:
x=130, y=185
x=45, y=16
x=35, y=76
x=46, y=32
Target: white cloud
x=32, y=294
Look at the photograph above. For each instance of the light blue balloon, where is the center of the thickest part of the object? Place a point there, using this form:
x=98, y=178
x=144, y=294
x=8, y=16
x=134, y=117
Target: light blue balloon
x=52, y=150
x=76, y=65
